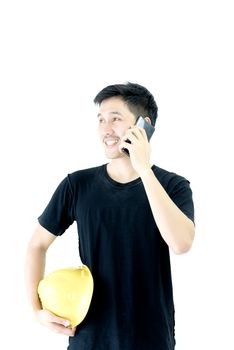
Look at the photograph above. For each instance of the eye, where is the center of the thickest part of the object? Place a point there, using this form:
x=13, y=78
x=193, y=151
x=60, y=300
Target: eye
x=116, y=119
x=101, y=120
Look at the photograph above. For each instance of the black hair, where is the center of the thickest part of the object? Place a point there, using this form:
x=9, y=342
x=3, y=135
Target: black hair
x=138, y=99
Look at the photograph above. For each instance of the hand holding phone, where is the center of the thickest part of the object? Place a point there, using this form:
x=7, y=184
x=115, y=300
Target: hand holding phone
x=149, y=129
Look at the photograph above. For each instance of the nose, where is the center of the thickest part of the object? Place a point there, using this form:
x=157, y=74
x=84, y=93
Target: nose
x=107, y=128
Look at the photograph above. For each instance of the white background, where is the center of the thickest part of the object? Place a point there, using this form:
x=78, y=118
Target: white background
x=55, y=57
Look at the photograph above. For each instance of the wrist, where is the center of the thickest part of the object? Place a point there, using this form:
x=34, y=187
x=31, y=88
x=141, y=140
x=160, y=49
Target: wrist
x=145, y=171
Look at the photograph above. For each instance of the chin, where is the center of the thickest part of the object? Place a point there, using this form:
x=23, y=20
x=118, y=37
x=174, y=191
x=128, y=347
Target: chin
x=115, y=155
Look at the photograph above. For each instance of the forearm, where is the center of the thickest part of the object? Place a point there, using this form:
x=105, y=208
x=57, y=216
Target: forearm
x=34, y=272
x=175, y=227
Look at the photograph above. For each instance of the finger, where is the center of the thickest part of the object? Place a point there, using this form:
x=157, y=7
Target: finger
x=136, y=132
x=59, y=320
x=131, y=131
x=126, y=145
x=140, y=132
x=129, y=136
x=58, y=328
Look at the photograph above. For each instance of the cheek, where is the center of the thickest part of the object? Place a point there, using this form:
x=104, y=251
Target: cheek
x=123, y=130
x=99, y=133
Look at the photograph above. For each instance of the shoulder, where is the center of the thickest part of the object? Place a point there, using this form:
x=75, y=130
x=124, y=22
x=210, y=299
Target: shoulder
x=178, y=188
x=168, y=179
x=84, y=175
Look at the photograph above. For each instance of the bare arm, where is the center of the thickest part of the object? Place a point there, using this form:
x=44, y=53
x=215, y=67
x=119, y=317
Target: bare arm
x=175, y=227
x=34, y=272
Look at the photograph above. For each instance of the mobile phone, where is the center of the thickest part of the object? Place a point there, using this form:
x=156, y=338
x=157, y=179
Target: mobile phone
x=149, y=128
x=142, y=123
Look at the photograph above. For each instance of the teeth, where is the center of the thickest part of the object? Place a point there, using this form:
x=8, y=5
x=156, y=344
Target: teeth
x=111, y=142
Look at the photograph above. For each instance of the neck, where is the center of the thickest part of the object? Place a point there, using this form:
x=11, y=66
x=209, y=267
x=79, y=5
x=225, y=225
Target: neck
x=121, y=170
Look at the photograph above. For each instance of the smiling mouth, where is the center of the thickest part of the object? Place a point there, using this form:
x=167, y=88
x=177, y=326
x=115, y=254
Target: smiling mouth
x=111, y=141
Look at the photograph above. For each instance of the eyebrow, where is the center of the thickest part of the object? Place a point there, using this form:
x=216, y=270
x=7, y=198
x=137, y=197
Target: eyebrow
x=113, y=112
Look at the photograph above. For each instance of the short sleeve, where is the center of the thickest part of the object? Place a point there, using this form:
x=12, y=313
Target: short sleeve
x=182, y=196
x=59, y=213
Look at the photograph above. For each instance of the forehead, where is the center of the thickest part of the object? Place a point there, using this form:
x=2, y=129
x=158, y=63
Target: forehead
x=113, y=104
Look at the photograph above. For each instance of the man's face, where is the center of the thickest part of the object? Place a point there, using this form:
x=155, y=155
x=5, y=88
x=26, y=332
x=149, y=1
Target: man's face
x=114, y=119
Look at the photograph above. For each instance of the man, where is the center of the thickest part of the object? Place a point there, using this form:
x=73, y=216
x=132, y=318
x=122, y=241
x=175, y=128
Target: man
x=129, y=213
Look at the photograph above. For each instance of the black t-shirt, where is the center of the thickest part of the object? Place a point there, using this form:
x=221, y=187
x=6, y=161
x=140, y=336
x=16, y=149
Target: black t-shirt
x=132, y=306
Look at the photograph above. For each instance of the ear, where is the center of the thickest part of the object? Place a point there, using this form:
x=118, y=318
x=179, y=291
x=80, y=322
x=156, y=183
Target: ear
x=148, y=120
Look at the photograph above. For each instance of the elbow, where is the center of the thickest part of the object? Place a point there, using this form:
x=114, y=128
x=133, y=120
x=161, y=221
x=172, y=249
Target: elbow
x=184, y=245
x=181, y=248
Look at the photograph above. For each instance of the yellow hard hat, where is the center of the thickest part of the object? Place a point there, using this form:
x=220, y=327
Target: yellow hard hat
x=67, y=293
